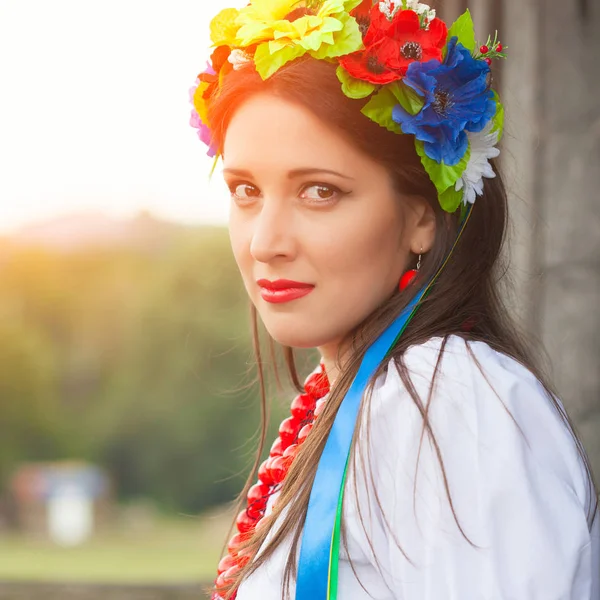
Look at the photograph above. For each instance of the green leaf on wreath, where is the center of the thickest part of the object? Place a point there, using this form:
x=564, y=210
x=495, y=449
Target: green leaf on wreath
x=352, y=87
x=498, y=118
x=464, y=29
x=346, y=41
x=410, y=101
x=442, y=175
x=450, y=200
x=267, y=62
x=379, y=109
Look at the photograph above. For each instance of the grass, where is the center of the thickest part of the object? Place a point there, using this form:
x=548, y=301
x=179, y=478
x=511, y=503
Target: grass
x=171, y=550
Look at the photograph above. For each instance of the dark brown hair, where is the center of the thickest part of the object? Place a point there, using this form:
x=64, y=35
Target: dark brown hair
x=467, y=289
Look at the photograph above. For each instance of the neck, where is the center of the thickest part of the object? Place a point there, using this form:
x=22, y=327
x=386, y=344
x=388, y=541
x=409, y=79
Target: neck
x=329, y=356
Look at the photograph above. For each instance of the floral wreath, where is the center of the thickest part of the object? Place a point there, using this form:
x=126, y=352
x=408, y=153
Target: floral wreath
x=414, y=75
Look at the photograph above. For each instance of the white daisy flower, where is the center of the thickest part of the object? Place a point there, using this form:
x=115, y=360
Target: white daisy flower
x=238, y=58
x=482, y=150
x=390, y=7
x=421, y=9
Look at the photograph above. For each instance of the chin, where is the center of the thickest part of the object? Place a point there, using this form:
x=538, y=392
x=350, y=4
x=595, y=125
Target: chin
x=294, y=334
x=293, y=339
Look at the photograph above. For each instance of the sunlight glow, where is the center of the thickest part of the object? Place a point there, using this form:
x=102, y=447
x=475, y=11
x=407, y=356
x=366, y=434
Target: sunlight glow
x=95, y=110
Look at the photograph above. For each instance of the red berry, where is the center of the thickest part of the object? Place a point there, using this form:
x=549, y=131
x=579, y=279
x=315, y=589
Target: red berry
x=230, y=575
x=232, y=571
x=245, y=523
x=290, y=451
x=276, y=448
x=257, y=499
x=263, y=473
x=277, y=469
x=246, y=553
x=499, y=48
x=227, y=562
x=258, y=491
x=243, y=561
x=319, y=408
x=236, y=541
x=290, y=454
x=317, y=385
x=484, y=49
x=288, y=430
x=304, y=432
x=302, y=405
x=488, y=61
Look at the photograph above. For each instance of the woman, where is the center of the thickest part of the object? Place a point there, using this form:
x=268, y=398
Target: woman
x=425, y=457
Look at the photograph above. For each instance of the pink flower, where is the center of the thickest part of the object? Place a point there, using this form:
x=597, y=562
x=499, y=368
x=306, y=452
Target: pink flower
x=204, y=133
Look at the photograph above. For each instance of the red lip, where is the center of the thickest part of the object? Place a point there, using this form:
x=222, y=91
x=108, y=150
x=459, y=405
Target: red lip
x=279, y=296
x=283, y=290
x=283, y=284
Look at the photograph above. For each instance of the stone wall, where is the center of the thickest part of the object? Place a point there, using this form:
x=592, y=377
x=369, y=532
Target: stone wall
x=551, y=163
x=565, y=306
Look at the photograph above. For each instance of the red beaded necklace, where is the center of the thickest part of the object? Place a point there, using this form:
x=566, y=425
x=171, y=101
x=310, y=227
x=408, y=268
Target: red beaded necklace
x=305, y=408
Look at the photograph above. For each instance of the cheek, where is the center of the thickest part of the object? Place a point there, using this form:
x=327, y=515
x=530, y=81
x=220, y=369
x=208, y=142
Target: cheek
x=360, y=266
x=239, y=237
x=368, y=248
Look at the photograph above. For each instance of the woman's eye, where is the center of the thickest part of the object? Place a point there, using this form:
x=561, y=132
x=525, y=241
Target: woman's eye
x=320, y=192
x=244, y=191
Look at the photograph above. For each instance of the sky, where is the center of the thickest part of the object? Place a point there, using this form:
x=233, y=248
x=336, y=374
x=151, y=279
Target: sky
x=94, y=110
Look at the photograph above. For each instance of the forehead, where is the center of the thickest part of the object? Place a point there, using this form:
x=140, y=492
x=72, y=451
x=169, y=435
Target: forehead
x=270, y=132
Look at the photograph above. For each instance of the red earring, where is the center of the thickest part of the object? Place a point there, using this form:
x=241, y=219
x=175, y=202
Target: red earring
x=407, y=277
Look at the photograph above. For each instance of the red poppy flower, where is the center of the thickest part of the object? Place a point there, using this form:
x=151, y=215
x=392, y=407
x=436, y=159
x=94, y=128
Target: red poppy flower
x=416, y=43
x=391, y=46
x=369, y=64
x=362, y=14
x=363, y=9
x=379, y=25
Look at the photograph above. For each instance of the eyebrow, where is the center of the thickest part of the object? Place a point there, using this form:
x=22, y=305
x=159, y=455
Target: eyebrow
x=291, y=174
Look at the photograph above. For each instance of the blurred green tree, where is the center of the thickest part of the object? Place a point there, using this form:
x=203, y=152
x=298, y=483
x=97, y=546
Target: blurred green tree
x=180, y=398
x=30, y=427
x=137, y=357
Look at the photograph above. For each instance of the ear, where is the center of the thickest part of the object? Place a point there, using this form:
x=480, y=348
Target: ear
x=423, y=225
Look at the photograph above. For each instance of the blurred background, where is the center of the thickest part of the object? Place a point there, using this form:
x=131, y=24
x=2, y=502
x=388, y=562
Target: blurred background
x=128, y=406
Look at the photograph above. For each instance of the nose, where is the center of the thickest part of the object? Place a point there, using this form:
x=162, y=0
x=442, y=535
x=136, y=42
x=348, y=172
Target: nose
x=272, y=235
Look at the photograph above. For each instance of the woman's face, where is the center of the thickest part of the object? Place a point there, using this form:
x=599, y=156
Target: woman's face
x=309, y=207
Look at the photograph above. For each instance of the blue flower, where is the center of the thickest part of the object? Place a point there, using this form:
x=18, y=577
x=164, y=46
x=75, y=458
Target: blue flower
x=457, y=99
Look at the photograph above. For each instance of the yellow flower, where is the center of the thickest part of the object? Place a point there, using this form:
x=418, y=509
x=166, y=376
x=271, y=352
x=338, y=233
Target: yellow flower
x=223, y=28
x=200, y=102
x=286, y=29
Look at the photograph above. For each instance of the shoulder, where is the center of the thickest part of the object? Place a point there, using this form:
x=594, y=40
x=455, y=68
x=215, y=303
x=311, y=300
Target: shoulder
x=471, y=484
x=482, y=408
